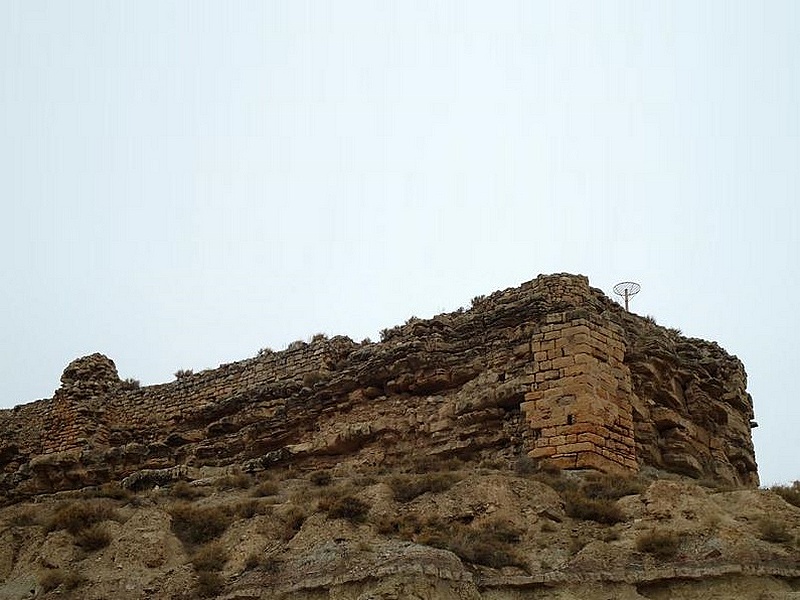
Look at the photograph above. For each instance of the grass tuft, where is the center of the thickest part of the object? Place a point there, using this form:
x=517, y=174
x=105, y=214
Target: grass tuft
x=93, y=538
x=660, y=543
x=350, y=508
x=408, y=487
x=196, y=525
x=79, y=515
x=790, y=493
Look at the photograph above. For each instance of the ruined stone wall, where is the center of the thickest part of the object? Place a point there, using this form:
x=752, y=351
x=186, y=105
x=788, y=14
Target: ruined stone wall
x=552, y=368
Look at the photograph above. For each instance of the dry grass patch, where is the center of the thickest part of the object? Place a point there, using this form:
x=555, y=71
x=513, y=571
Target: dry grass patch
x=195, y=525
x=790, y=493
x=602, y=486
x=601, y=510
x=658, y=542
x=211, y=557
x=209, y=584
x=53, y=579
x=407, y=487
x=264, y=489
x=78, y=515
x=293, y=520
x=321, y=478
x=93, y=538
x=111, y=490
x=240, y=481
x=491, y=543
x=773, y=531
x=183, y=491
x=350, y=508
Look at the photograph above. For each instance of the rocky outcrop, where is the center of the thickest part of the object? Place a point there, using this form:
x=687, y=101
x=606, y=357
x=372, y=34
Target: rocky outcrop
x=552, y=368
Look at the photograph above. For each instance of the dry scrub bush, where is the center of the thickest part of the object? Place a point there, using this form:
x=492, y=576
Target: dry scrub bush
x=209, y=584
x=658, y=542
x=79, y=515
x=602, y=486
x=790, y=493
x=579, y=506
x=93, y=538
x=320, y=478
x=197, y=525
x=350, y=508
x=265, y=488
x=109, y=490
x=54, y=578
x=184, y=491
x=408, y=487
x=773, y=531
x=240, y=481
x=293, y=520
x=490, y=544
x=24, y=517
x=247, y=509
x=211, y=557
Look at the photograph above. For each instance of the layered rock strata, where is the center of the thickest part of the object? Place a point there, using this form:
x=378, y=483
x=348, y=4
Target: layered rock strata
x=553, y=369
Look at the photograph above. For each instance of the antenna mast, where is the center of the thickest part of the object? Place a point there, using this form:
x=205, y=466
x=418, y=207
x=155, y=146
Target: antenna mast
x=627, y=289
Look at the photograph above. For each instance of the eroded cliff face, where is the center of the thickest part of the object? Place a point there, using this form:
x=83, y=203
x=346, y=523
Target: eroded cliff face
x=551, y=369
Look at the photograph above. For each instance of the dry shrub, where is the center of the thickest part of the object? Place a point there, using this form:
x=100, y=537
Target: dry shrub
x=247, y=509
x=211, y=557
x=579, y=506
x=773, y=531
x=350, y=508
x=93, y=538
x=54, y=578
x=490, y=544
x=209, y=584
x=553, y=477
x=24, y=517
x=405, y=526
x=408, y=487
x=79, y=515
x=435, y=464
x=320, y=478
x=525, y=465
x=240, y=481
x=659, y=542
x=265, y=488
x=111, y=490
x=293, y=520
x=253, y=561
x=602, y=486
x=790, y=493
x=198, y=525
x=184, y=491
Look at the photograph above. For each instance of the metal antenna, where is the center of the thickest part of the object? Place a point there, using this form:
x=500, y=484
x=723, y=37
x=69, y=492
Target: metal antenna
x=627, y=289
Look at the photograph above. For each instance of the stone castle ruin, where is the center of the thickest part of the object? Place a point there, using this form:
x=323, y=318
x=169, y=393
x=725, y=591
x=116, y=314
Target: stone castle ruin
x=552, y=369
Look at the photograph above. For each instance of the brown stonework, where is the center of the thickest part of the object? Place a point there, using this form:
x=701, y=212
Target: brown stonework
x=552, y=369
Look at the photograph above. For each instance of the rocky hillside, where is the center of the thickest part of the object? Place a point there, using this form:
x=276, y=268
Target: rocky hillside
x=543, y=443
x=428, y=531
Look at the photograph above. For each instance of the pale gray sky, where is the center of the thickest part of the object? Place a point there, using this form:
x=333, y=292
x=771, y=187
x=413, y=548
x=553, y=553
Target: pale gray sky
x=183, y=183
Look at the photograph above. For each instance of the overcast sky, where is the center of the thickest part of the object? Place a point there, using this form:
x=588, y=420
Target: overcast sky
x=184, y=183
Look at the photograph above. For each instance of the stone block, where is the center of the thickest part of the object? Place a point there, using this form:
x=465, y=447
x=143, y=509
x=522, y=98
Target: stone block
x=573, y=448
x=542, y=452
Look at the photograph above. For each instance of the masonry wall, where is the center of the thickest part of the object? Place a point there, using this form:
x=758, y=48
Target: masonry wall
x=552, y=368
x=579, y=410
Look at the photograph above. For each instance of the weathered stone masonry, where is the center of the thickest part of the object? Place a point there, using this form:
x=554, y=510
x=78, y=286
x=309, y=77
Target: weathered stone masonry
x=551, y=368
x=579, y=409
